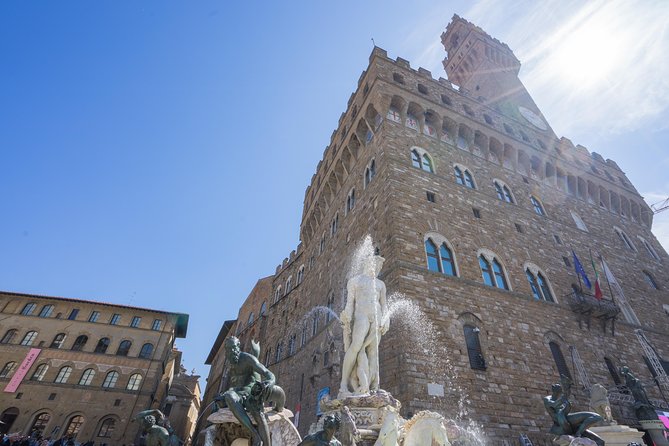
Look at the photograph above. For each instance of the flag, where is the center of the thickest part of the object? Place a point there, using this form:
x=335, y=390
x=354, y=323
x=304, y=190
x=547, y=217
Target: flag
x=598, y=289
x=580, y=271
x=619, y=295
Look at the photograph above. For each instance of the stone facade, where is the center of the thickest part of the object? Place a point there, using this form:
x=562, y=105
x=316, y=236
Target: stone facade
x=558, y=198
x=97, y=364
x=182, y=403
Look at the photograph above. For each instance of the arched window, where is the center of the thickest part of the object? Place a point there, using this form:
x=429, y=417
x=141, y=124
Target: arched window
x=58, y=341
x=539, y=286
x=613, y=371
x=411, y=121
x=464, y=177
x=279, y=351
x=560, y=363
x=39, y=425
x=8, y=369
x=39, y=373
x=538, y=208
x=314, y=325
x=74, y=426
x=28, y=309
x=503, y=192
x=277, y=294
x=107, y=428
x=415, y=159
x=110, y=380
x=134, y=382
x=289, y=283
x=650, y=280
x=492, y=272
x=123, y=348
x=421, y=160
x=649, y=249
x=8, y=337
x=394, y=115
x=578, y=221
x=328, y=315
x=291, y=345
x=46, y=311
x=370, y=172
x=440, y=259
x=147, y=350
x=29, y=338
x=251, y=316
x=87, y=377
x=350, y=201
x=79, y=343
x=63, y=375
x=300, y=275
x=263, y=308
x=625, y=239
x=476, y=360
x=102, y=346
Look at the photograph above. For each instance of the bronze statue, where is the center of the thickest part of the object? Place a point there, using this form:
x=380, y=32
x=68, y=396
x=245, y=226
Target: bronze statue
x=157, y=428
x=565, y=423
x=252, y=384
x=325, y=437
x=643, y=408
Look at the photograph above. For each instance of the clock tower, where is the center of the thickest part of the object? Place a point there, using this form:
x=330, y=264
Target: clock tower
x=488, y=70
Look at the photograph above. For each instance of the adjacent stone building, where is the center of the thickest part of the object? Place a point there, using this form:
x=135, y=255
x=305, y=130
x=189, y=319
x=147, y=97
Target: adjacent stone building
x=476, y=205
x=182, y=403
x=83, y=368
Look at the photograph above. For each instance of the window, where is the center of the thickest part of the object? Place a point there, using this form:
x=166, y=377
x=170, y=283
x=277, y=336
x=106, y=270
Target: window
x=39, y=373
x=430, y=196
x=135, y=321
x=539, y=286
x=102, y=346
x=422, y=89
x=560, y=363
x=123, y=348
x=146, y=351
x=73, y=314
x=95, y=315
x=40, y=424
x=314, y=326
x=508, y=129
x=650, y=280
x=503, y=192
x=578, y=221
x=398, y=78
x=350, y=201
x=625, y=239
x=107, y=428
x=370, y=172
x=7, y=370
x=28, y=309
x=63, y=375
x=488, y=119
x=557, y=239
x=463, y=177
x=29, y=338
x=134, y=382
x=538, y=208
x=279, y=351
x=333, y=230
x=115, y=319
x=58, y=341
x=277, y=294
x=74, y=426
x=519, y=228
x=79, y=343
x=110, y=380
x=300, y=276
x=291, y=345
x=394, y=115
x=439, y=260
x=157, y=323
x=476, y=360
x=650, y=249
x=421, y=160
x=566, y=261
x=477, y=212
x=492, y=272
x=263, y=307
x=251, y=316
x=87, y=377
x=46, y=311
x=468, y=109
x=411, y=121
x=8, y=337
x=321, y=246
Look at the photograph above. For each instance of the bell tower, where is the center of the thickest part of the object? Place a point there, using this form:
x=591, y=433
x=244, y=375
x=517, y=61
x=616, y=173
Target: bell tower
x=488, y=69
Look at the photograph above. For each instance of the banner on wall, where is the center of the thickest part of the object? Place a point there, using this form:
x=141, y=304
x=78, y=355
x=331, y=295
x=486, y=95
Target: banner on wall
x=21, y=372
x=323, y=393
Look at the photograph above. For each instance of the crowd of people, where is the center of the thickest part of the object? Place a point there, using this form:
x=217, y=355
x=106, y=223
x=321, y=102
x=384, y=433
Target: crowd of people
x=18, y=439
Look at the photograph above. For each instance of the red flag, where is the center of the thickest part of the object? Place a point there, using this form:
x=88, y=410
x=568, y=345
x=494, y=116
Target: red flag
x=598, y=290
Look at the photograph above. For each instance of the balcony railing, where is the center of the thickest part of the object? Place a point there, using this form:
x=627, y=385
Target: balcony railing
x=588, y=307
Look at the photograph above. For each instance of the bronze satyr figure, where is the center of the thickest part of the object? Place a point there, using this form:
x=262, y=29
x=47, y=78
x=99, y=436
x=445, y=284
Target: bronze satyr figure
x=325, y=437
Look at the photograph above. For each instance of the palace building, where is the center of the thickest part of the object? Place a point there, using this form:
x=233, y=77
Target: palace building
x=82, y=368
x=476, y=205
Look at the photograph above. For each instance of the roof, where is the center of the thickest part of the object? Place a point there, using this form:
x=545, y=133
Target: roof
x=181, y=323
x=225, y=328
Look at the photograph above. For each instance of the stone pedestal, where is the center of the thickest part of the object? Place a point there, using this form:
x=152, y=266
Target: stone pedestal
x=228, y=431
x=655, y=429
x=618, y=434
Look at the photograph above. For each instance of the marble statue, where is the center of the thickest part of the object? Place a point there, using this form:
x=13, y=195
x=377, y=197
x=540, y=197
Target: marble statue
x=558, y=406
x=157, y=428
x=365, y=320
x=643, y=408
x=325, y=437
x=252, y=384
x=599, y=402
x=424, y=428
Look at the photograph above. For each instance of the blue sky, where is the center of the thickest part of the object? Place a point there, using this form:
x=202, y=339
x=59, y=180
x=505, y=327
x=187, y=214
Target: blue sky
x=157, y=153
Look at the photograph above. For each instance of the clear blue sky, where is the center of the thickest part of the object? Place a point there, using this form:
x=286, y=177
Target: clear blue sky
x=156, y=153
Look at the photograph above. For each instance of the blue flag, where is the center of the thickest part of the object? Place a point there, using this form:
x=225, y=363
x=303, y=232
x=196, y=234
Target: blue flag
x=579, y=270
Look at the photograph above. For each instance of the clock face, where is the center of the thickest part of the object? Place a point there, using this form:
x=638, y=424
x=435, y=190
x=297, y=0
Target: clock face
x=533, y=118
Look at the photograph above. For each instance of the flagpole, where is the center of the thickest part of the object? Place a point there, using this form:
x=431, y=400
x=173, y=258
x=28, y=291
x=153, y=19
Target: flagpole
x=601, y=259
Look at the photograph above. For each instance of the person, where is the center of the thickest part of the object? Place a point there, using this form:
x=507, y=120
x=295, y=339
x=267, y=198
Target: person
x=251, y=384
x=325, y=437
x=365, y=320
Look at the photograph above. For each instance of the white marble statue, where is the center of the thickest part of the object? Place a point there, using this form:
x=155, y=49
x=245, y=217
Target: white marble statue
x=364, y=321
x=425, y=428
x=599, y=402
